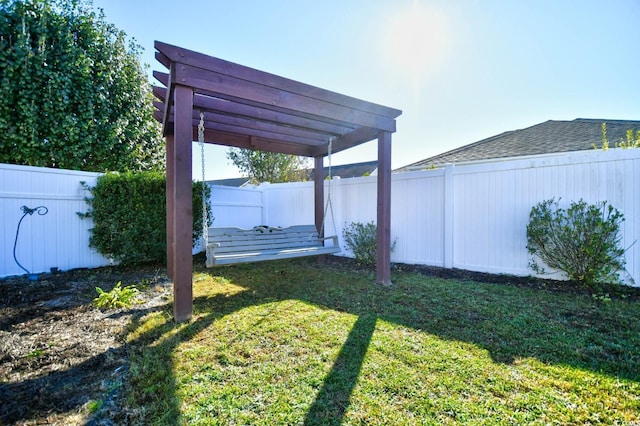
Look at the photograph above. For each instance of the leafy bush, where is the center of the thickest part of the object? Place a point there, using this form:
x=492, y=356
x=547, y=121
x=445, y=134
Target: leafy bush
x=74, y=94
x=361, y=240
x=118, y=297
x=582, y=241
x=129, y=216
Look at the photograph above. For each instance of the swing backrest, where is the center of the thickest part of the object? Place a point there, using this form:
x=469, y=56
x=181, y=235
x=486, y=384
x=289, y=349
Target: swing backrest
x=235, y=245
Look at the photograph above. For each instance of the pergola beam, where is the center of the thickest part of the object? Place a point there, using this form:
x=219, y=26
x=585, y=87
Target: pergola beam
x=261, y=114
x=238, y=140
x=220, y=132
x=166, y=123
x=220, y=66
x=348, y=140
x=221, y=85
x=245, y=126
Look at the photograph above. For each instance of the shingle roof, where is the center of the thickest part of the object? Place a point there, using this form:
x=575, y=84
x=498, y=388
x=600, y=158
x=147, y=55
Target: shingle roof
x=548, y=137
x=343, y=171
x=235, y=182
x=349, y=170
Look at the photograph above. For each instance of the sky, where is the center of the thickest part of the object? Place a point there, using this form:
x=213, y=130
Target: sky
x=460, y=71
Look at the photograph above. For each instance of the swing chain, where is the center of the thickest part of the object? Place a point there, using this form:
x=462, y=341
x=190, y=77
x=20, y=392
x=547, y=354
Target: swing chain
x=329, y=204
x=205, y=216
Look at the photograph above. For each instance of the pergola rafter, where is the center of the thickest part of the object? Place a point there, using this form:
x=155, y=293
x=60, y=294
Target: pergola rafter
x=247, y=108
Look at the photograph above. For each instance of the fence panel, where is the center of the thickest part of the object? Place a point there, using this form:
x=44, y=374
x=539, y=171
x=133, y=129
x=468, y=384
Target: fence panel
x=493, y=201
x=242, y=207
x=474, y=216
x=59, y=239
x=470, y=216
x=288, y=204
x=418, y=218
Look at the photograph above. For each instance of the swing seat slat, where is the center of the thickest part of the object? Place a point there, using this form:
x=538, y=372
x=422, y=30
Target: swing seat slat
x=236, y=245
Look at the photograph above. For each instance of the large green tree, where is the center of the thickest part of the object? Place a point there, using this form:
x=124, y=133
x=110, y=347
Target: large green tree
x=261, y=166
x=74, y=94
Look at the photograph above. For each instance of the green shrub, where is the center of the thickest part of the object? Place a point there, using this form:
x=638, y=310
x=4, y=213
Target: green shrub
x=118, y=297
x=582, y=241
x=129, y=216
x=361, y=239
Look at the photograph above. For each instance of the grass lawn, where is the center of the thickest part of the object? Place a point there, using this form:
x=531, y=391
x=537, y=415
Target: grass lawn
x=290, y=342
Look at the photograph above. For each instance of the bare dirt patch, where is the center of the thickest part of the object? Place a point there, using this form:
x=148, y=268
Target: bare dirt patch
x=62, y=360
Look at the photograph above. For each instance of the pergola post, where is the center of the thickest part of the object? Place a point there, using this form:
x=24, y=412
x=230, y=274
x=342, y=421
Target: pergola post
x=182, y=261
x=170, y=154
x=383, y=238
x=318, y=191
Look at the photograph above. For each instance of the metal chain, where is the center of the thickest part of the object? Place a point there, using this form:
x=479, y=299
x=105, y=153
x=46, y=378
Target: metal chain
x=329, y=205
x=205, y=216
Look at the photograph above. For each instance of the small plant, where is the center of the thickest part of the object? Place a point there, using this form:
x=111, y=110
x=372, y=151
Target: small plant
x=605, y=140
x=35, y=353
x=601, y=297
x=582, y=241
x=118, y=297
x=94, y=406
x=632, y=139
x=361, y=240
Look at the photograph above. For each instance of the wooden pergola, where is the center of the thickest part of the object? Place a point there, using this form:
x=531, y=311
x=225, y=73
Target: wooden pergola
x=247, y=108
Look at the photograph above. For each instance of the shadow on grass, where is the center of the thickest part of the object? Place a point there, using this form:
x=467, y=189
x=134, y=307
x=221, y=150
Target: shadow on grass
x=156, y=346
x=154, y=384
x=508, y=322
x=333, y=399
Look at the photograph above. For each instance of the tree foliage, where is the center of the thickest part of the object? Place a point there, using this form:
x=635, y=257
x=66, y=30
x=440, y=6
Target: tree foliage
x=261, y=166
x=632, y=139
x=74, y=94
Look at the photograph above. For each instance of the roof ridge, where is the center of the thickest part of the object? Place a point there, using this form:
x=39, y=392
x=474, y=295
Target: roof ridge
x=545, y=137
x=604, y=120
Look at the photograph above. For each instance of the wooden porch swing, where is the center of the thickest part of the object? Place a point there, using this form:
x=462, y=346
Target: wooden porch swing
x=231, y=245
x=246, y=108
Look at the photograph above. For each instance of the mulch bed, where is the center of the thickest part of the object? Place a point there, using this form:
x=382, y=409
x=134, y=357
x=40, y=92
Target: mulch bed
x=58, y=352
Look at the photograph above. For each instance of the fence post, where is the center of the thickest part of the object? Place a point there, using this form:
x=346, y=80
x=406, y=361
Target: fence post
x=264, y=188
x=449, y=207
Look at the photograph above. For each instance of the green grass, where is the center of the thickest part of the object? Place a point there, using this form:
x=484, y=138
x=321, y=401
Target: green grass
x=294, y=343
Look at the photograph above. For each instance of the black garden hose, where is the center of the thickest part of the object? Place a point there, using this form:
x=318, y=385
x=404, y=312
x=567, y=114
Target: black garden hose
x=41, y=210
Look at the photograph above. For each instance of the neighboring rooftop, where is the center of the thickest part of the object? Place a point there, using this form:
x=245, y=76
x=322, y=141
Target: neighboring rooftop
x=544, y=138
x=349, y=170
x=344, y=171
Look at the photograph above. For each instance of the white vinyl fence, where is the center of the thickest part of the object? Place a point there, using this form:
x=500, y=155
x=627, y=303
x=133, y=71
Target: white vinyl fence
x=473, y=216
x=58, y=239
x=470, y=216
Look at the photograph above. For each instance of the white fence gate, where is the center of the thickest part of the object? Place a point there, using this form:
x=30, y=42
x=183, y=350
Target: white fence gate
x=469, y=216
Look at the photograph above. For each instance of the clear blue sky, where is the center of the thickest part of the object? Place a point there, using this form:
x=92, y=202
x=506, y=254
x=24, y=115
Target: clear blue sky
x=459, y=70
